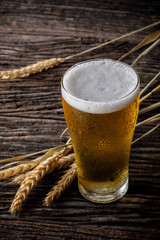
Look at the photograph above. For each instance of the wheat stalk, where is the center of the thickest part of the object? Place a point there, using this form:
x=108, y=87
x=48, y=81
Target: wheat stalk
x=150, y=38
x=150, y=93
x=61, y=185
x=153, y=81
x=146, y=134
x=149, y=108
x=34, y=177
x=42, y=65
x=65, y=130
x=143, y=54
x=63, y=162
x=31, y=69
x=18, y=158
x=149, y=120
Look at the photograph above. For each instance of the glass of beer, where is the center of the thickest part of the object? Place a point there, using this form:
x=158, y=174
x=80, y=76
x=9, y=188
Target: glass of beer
x=101, y=102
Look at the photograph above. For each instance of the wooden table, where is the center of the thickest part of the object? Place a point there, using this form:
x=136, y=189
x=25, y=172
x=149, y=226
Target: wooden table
x=31, y=115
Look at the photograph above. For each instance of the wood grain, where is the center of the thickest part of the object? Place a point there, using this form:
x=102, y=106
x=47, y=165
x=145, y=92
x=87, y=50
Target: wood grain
x=31, y=115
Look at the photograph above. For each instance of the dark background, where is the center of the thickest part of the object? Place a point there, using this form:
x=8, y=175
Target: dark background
x=31, y=115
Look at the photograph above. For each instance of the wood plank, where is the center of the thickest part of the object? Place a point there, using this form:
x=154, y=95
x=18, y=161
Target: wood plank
x=31, y=116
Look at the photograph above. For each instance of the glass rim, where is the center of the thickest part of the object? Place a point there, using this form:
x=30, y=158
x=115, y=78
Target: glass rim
x=104, y=102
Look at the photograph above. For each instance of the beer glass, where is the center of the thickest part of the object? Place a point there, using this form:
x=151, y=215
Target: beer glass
x=101, y=102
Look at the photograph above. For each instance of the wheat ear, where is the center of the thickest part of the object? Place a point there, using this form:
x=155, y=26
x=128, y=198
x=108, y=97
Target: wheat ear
x=31, y=180
x=61, y=185
x=34, y=177
x=18, y=169
x=61, y=163
x=31, y=69
x=18, y=179
x=65, y=161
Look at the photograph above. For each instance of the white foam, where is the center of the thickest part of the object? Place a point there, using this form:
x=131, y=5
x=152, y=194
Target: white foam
x=100, y=86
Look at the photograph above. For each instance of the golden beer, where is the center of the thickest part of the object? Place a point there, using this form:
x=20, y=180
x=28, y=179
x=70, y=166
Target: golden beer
x=101, y=140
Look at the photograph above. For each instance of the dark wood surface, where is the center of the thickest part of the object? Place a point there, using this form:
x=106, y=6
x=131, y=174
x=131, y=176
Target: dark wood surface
x=31, y=115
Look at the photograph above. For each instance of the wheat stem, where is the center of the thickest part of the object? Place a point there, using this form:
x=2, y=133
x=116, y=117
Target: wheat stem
x=61, y=185
x=143, y=54
x=112, y=41
x=149, y=108
x=150, y=93
x=149, y=120
x=146, y=134
x=69, y=141
x=18, y=158
x=150, y=38
x=22, y=156
x=153, y=81
x=65, y=130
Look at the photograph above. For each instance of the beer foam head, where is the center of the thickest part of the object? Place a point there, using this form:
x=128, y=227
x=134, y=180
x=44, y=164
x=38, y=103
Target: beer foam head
x=100, y=86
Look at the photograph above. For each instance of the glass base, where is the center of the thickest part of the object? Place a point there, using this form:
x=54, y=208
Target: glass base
x=103, y=198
